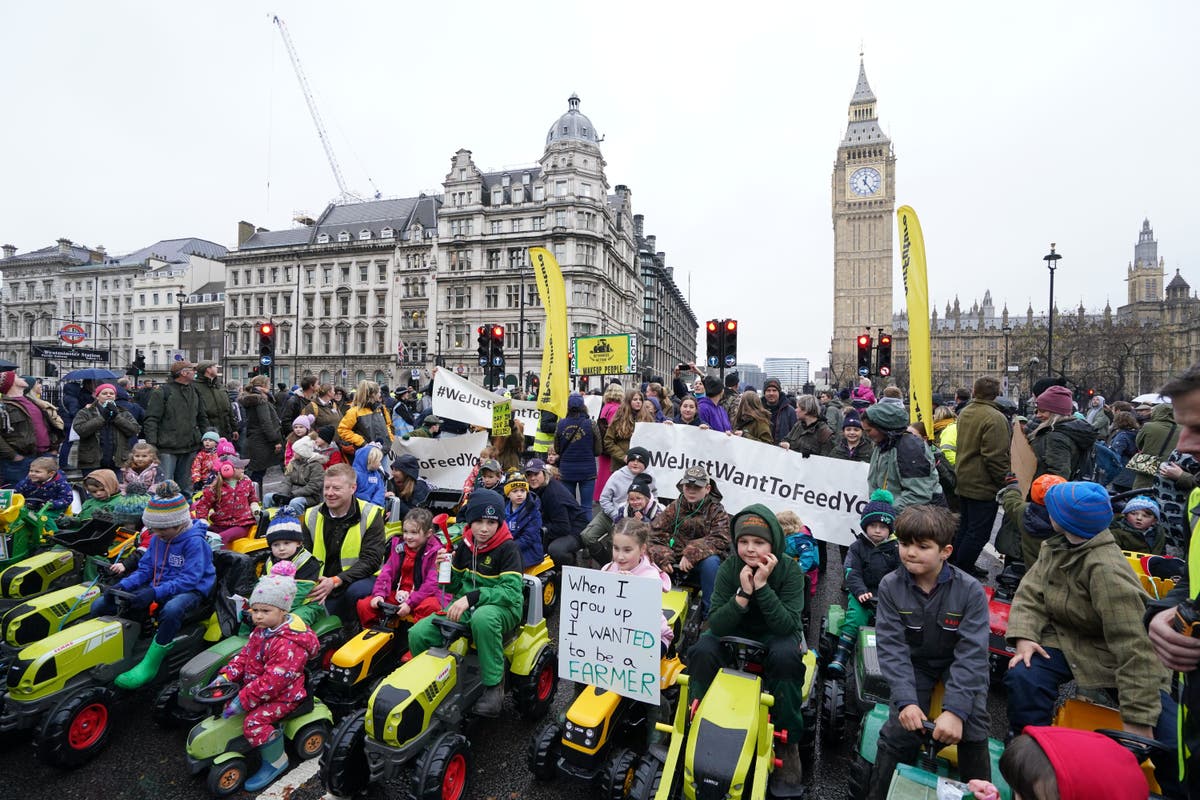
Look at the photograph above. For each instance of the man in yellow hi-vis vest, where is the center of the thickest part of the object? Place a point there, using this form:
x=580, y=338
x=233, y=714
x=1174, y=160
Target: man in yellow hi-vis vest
x=347, y=534
x=1177, y=651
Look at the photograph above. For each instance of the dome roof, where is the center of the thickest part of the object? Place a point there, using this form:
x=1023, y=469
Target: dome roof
x=572, y=125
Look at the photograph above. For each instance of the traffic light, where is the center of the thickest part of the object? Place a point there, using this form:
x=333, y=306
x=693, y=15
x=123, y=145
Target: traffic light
x=729, y=348
x=864, y=354
x=885, y=354
x=712, y=350
x=485, y=344
x=266, y=344
x=139, y=363
x=254, y=371
x=583, y=383
x=497, y=334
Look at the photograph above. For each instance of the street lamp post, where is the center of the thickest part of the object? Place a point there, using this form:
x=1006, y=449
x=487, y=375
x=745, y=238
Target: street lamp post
x=438, y=361
x=1007, y=330
x=1051, y=260
x=343, y=329
x=180, y=298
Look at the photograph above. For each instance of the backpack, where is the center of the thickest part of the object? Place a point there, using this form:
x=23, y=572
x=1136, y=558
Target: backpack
x=945, y=471
x=1100, y=464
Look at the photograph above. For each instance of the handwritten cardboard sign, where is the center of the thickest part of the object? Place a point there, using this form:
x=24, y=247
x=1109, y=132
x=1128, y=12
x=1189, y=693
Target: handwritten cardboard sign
x=501, y=413
x=608, y=632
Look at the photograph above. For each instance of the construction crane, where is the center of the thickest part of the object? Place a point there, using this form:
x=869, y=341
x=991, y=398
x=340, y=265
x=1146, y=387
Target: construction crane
x=346, y=194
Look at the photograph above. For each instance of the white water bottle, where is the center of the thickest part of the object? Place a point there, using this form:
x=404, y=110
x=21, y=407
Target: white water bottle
x=444, y=569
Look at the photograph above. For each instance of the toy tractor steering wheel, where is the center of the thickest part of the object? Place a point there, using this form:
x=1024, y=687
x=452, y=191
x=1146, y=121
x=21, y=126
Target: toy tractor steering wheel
x=743, y=651
x=450, y=630
x=216, y=694
x=103, y=575
x=1142, y=747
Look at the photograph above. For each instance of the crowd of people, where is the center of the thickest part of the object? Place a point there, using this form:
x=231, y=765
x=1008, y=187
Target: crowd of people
x=579, y=491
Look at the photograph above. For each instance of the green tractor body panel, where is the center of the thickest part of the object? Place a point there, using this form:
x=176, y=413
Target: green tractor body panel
x=33, y=575
x=401, y=708
x=869, y=733
x=871, y=685
x=45, y=667
x=38, y=617
x=723, y=740
x=523, y=650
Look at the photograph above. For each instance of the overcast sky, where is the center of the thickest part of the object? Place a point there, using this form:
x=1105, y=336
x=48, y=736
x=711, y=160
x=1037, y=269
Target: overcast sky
x=1014, y=125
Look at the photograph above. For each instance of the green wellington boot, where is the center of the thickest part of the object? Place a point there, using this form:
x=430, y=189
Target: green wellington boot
x=837, y=665
x=146, y=669
x=274, y=764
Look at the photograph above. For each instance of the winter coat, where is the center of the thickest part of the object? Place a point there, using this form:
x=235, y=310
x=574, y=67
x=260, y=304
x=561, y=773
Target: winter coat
x=1099, y=418
x=217, y=406
x=1085, y=600
x=335, y=545
x=645, y=568
x=574, y=441
x=757, y=430
x=834, y=413
x=262, y=432
x=648, y=514
x=561, y=513
x=150, y=477
x=810, y=439
x=841, y=449
x=775, y=609
x=362, y=424
x=372, y=483
x=692, y=531
x=1061, y=448
x=902, y=463
x=1153, y=540
x=424, y=572
x=306, y=478
x=489, y=574
x=863, y=393
x=1157, y=437
x=204, y=466
x=270, y=667
x=55, y=494
x=1033, y=522
x=984, y=442
x=126, y=402
x=184, y=564
x=175, y=420
x=615, y=491
x=229, y=506
x=713, y=415
x=291, y=407
x=1124, y=444
x=323, y=414
x=104, y=430
x=783, y=417
x=867, y=563
x=945, y=438
x=418, y=499
x=802, y=546
x=16, y=431
x=525, y=524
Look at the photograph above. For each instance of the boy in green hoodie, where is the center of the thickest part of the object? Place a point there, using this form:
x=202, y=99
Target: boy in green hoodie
x=759, y=596
x=485, y=581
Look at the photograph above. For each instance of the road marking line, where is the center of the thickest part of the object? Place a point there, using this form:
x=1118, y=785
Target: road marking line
x=291, y=780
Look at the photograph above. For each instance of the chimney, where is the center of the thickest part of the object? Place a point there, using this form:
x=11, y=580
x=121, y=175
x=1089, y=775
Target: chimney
x=650, y=243
x=10, y=250
x=245, y=231
x=64, y=247
x=638, y=225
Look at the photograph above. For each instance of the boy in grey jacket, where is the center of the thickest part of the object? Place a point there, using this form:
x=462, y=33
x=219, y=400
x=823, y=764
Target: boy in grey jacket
x=932, y=626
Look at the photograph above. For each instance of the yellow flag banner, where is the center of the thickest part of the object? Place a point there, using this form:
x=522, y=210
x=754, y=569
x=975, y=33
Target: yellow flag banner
x=555, y=380
x=916, y=293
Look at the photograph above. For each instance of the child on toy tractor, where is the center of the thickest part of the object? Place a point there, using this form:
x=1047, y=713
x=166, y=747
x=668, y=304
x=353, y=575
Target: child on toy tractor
x=692, y=534
x=1033, y=522
x=103, y=492
x=1078, y=615
x=485, y=581
x=271, y=670
x=630, y=540
x=176, y=573
x=932, y=625
x=759, y=595
x=1138, y=528
x=45, y=487
x=872, y=556
x=409, y=577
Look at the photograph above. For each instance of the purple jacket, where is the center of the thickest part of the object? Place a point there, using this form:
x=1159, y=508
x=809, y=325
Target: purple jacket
x=713, y=415
x=425, y=578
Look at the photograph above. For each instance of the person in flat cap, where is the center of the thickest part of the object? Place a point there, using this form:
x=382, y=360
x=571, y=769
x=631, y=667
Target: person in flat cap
x=175, y=422
x=691, y=535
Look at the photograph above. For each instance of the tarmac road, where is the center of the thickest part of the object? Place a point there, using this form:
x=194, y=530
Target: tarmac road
x=144, y=762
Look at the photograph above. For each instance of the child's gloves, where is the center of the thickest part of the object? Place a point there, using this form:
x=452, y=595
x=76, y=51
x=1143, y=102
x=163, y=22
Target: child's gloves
x=144, y=597
x=233, y=707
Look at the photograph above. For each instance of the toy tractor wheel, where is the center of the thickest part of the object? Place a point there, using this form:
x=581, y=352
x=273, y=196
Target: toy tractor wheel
x=617, y=774
x=549, y=590
x=344, y=763
x=825, y=644
x=226, y=778
x=647, y=774
x=444, y=770
x=168, y=713
x=309, y=741
x=833, y=712
x=77, y=729
x=860, y=778
x=534, y=692
x=543, y=751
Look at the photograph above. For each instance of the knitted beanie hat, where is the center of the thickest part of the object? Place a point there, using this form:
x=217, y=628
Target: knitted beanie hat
x=7, y=379
x=1037, y=492
x=277, y=589
x=643, y=483
x=327, y=433
x=879, y=509
x=516, y=480
x=1143, y=503
x=1081, y=508
x=304, y=448
x=168, y=508
x=1056, y=400
x=484, y=504
x=284, y=527
x=851, y=420
x=751, y=525
x=304, y=421
x=96, y=392
x=213, y=435
x=225, y=448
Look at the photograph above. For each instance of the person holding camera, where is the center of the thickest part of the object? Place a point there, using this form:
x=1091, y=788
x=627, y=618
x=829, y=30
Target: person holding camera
x=1172, y=621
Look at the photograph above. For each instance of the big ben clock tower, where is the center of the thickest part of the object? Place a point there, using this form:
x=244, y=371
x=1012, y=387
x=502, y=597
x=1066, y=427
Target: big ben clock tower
x=864, y=209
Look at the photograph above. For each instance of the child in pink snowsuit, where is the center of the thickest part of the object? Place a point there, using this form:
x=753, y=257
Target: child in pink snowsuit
x=630, y=538
x=270, y=669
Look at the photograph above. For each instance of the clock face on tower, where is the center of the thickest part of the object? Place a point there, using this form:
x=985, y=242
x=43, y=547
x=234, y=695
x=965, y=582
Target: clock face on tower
x=865, y=181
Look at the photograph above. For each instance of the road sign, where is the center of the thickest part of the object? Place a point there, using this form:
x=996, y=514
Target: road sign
x=416, y=373
x=863, y=371
x=72, y=333
x=611, y=354
x=266, y=361
x=345, y=373
x=58, y=353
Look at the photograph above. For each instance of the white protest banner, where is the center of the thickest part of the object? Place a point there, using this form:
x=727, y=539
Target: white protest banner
x=827, y=493
x=608, y=632
x=459, y=399
x=444, y=462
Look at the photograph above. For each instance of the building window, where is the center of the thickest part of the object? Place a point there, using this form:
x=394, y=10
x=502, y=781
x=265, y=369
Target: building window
x=381, y=303
x=141, y=326
x=326, y=307
x=362, y=305
x=497, y=226
x=344, y=236
x=308, y=307
x=343, y=307
x=560, y=219
x=323, y=238
x=516, y=226
x=325, y=342
x=560, y=188
x=516, y=257
x=345, y=273
x=458, y=297
x=493, y=259
x=538, y=223
x=539, y=193
x=154, y=326
x=185, y=325
x=583, y=293
x=387, y=233
x=326, y=276
x=586, y=254
x=307, y=340
x=491, y=297
x=512, y=294
x=361, y=342
x=380, y=341
x=497, y=196
x=460, y=260
x=363, y=272
x=233, y=275
x=363, y=235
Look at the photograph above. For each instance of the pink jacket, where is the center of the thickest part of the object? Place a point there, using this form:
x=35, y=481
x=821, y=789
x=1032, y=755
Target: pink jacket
x=647, y=568
x=271, y=665
x=233, y=508
x=425, y=577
